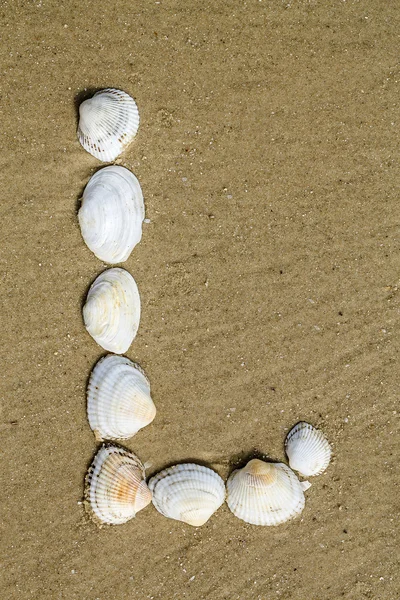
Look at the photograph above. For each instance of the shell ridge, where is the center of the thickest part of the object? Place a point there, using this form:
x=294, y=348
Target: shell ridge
x=108, y=123
x=118, y=398
x=308, y=449
x=187, y=492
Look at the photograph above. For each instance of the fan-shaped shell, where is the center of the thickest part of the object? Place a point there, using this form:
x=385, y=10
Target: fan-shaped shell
x=308, y=449
x=108, y=123
x=190, y=493
x=112, y=310
x=118, y=399
x=115, y=486
x=264, y=493
x=111, y=214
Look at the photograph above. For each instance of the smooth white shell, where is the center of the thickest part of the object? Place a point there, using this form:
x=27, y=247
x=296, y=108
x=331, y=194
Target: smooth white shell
x=190, y=493
x=264, y=493
x=112, y=310
x=115, y=486
x=111, y=214
x=118, y=399
x=108, y=123
x=308, y=449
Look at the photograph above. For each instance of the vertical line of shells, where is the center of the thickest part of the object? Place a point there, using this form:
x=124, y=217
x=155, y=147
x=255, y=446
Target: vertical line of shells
x=119, y=403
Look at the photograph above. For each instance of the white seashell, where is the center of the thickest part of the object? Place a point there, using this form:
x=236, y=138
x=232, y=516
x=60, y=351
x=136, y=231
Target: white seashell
x=118, y=399
x=112, y=310
x=108, y=123
x=305, y=485
x=308, y=449
x=111, y=214
x=115, y=485
x=264, y=493
x=190, y=493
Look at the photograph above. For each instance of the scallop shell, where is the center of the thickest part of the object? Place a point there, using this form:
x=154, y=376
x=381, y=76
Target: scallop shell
x=112, y=310
x=118, y=399
x=115, y=485
x=308, y=449
x=111, y=214
x=108, y=123
x=264, y=493
x=190, y=493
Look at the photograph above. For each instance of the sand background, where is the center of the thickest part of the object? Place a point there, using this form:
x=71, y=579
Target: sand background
x=269, y=159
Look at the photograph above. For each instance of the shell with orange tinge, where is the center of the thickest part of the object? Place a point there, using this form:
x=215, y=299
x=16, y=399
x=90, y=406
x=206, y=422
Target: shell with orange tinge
x=115, y=486
x=265, y=493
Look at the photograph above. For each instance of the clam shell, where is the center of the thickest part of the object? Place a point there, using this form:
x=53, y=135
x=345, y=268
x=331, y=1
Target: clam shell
x=108, y=123
x=264, y=493
x=112, y=310
x=190, y=493
x=111, y=214
x=115, y=485
x=308, y=449
x=118, y=399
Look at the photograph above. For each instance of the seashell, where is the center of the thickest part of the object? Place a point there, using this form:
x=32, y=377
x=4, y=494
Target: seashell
x=264, y=493
x=305, y=485
x=111, y=214
x=308, y=450
x=108, y=123
x=188, y=492
x=112, y=310
x=115, y=485
x=118, y=399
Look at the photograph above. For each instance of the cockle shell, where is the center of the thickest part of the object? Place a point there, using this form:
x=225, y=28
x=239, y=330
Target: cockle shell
x=111, y=214
x=108, y=123
x=118, y=399
x=112, y=310
x=308, y=449
x=190, y=493
x=115, y=485
x=264, y=493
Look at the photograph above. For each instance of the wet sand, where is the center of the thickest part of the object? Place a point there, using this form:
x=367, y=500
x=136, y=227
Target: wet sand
x=269, y=278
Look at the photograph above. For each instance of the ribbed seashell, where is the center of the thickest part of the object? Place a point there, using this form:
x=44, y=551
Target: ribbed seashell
x=190, y=493
x=264, y=493
x=118, y=399
x=108, y=123
x=115, y=485
x=112, y=310
x=308, y=449
x=111, y=214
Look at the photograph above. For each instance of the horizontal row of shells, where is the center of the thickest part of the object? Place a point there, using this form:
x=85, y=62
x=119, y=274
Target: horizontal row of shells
x=260, y=493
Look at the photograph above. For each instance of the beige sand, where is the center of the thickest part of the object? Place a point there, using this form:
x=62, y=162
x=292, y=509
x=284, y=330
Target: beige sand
x=269, y=158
